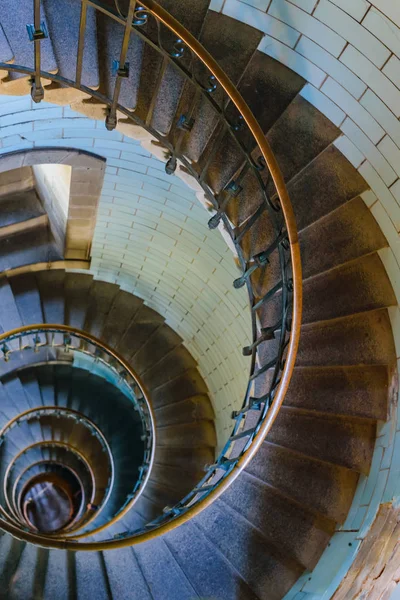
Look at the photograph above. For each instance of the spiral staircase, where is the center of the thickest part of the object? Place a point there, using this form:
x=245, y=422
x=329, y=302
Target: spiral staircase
x=110, y=482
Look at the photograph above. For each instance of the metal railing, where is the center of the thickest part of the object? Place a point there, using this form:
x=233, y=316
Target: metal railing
x=181, y=51
x=49, y=468
x=61, y=413
x=47, y=465
x=64, y=341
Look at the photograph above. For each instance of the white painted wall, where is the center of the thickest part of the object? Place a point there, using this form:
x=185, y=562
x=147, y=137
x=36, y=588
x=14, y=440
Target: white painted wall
x=53, y=184
x=152, y=238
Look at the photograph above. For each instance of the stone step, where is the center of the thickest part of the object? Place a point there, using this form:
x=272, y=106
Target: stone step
x=285, y=524
x=159, y=344
x=146, y=322
x=341, y=236
x=355, y=287
x=263, y=567
x=19, y=207
x=63, y=19
x=345, y=441
x=358, y=391
x=175, y=363
x=189, y=435
x=323, y=488
x=196, y=555
x=327, y=183
x=120, y=315
x=196, y=408
x=76, y=291
x=16, y=181
x=182, y=387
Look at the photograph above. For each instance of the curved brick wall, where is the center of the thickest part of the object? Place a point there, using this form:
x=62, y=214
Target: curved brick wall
x=152, y=238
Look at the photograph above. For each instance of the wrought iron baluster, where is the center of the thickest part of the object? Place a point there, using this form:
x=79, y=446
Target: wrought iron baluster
x=122, y=70
x=260, y=260
x=37, y=32
x=213, y=151
x=241, y=231
x=268, y=296
x=81, y=42
x=230, y=191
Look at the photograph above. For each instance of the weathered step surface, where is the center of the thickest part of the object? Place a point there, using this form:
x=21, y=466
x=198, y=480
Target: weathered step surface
x=364, y=338
x=171, y=366
x=159, y=344
x=341, y=236
x=76, y=291
x=189, y=435
x=309, y=132
x=6, y=54
x=119, y=317
x=357, y=286
x=196, y=554
x=145, y=322
x=285, y=524
x=194, y=408
x=19, y=207
x=184, y=386
x=327, y=183
x=16, y=181
x=261, y=565
x=353, y=391
x=26, y=248
x=318, y=486
x=345, y=441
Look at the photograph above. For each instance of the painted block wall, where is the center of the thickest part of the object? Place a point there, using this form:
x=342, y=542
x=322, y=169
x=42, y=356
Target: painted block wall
x=152, y=239
x=349, y=53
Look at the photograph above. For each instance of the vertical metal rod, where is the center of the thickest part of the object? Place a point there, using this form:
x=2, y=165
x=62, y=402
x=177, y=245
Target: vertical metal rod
x=81, y=43
x=37, y=91
x=111, y=120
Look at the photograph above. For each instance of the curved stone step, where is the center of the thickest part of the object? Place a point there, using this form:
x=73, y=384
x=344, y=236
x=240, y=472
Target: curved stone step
x=18, y=207
x=358, y=391
x=158, y=345
x=190, y=383
x=319, y=487
x=344, y=234
x=29, y=576
x=358, y=286
x=174, y=364
x=345, y=441
x=265, y=569
x=197, y=555
x=188, y=435
x=124, y=308
x=59, y=576
x=125, y=562
x=11, y=551
x=91, y=576
x=76, y=290
x=327, y=183
x=195, y=408
x=145, y=322
x=285, y=524
x=364, y=338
